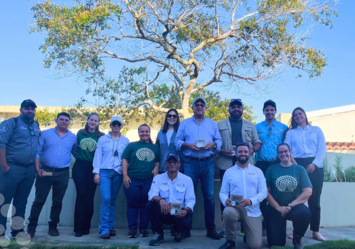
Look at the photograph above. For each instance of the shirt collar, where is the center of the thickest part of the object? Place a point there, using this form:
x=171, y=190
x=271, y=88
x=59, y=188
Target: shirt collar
x=300, y=128
x=272, y=124
x=201, y=121
x=166, y=175
x=247, y=167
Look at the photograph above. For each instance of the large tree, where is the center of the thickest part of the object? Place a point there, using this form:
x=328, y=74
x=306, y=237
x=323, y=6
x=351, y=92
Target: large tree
x=178, y=46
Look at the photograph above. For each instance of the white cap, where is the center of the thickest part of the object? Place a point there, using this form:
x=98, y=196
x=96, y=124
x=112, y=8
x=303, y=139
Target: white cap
x=116, y=118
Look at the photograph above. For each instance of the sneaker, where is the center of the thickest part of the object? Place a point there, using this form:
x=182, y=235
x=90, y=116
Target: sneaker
x=178, y=237
x=228, y=245
x=211, y=232
x=78, y=234
x=143, y=232
x=222, y=234
x=53, y=231
x=132, y=233
x=297, y=242
x=157, y=240
x=242, y=229
x=86, y=232
x=112, y=233
x=31, y=232
x=172, y=230
x=105, y=236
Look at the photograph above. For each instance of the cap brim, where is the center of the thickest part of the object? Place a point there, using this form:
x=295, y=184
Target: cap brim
x=30, y=104
x=236, y=102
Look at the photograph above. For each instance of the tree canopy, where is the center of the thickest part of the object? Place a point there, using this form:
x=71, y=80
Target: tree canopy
x=188, y=45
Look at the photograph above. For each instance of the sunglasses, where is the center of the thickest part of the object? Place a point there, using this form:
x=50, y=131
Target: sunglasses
x=171, y=116
x=32, y=132
x=232, y=100
x=116, y=124
x=199, y=105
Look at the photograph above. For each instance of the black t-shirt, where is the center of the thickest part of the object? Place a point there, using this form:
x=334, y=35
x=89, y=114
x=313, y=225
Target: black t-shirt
x=236, y=131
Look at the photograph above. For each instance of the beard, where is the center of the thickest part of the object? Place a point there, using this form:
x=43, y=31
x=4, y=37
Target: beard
x=243, y=159
x=236, y=116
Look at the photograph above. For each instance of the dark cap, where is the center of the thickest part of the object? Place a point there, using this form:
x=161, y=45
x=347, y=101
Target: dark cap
x=170, y=155
x=28, y=102
x=269, y=102
x=235, y=101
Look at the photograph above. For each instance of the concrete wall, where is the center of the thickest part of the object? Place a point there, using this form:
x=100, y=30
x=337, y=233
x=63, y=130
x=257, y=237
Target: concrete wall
x=348, y=158
x=337, y=207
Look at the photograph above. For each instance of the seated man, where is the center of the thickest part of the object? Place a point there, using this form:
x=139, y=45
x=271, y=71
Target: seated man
x=243, y=188
x=170, y=187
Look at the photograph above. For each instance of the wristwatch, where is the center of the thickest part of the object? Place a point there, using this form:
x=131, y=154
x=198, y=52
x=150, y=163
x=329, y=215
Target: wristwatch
x=215, y=145
x=290, y=205
x=253, y=149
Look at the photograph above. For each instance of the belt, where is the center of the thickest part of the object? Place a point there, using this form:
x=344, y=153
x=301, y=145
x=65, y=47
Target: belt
x=51, y=169
x=21, y=164
x=199, y=159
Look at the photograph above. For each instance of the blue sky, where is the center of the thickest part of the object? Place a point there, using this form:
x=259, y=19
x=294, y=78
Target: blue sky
x=22, y=74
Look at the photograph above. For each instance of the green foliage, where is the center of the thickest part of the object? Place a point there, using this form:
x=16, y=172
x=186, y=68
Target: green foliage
x=44, y=117
x=350, y=174
x=338, y=166
x=328, y=176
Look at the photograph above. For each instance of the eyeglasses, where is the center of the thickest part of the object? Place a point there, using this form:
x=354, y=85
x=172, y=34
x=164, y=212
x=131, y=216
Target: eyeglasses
x=232, y=100
x=172, y=116
x=116, y=124
x=199, y=105
x=32, y=132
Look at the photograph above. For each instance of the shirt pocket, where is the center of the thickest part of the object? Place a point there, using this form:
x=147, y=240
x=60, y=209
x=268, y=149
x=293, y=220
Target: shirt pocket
x=248, y=134
x=180, y=193
x=164, y=191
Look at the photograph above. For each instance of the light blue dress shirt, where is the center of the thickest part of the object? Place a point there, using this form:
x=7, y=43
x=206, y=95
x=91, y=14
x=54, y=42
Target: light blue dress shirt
x=55, y=151
x=190, y=130
x=269, y=145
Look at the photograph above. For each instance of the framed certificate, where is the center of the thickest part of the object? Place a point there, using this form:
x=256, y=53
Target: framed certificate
x=175, y=208
x=236, y=199
x=200, y=143
x=47, y=173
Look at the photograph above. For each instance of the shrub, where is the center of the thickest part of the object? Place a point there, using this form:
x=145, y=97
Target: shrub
x=328, y=177
x=350, y=174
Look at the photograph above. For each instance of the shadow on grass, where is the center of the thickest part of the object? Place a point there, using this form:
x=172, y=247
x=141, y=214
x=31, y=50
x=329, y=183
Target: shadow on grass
x=331, y=244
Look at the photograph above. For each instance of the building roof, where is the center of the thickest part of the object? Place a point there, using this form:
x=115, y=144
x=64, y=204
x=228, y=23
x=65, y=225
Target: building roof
x=340, y=146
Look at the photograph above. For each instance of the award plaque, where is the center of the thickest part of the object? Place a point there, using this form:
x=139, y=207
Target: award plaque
x=200, y=143
x=236, y=199
x=233, y=150
x=175, y=208
x=45, y=173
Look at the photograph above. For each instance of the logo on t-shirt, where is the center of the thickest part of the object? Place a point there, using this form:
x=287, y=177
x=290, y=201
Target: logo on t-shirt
x=88, y=144
x=145, y=154
x=286, y=183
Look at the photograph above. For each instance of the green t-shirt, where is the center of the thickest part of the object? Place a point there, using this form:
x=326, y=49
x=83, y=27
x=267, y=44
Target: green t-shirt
x=87, y=146
x=142, y=158
x=286, y=183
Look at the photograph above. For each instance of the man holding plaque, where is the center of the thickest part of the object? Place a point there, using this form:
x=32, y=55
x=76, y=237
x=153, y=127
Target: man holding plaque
x=171, y=201
x=198, y=137
x=243, y=188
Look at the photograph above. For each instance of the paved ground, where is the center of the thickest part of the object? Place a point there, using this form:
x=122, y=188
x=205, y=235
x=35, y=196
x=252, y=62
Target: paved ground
x=197, y=240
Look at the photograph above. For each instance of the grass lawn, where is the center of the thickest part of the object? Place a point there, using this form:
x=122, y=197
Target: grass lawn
x=331, y=244
x=48, y=245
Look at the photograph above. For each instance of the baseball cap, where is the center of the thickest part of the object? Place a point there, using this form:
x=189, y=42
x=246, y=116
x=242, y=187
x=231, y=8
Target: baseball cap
x=236, y=101
x=269, y=102
x=116, y=118
x=198, y=99
x=170, y=155
x=28, y=102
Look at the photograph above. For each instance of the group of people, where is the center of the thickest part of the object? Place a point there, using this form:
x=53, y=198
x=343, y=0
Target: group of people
x=159, y=179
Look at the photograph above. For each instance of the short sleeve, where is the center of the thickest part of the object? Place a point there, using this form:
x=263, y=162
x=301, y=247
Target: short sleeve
x=127, y=152
x=305, y=182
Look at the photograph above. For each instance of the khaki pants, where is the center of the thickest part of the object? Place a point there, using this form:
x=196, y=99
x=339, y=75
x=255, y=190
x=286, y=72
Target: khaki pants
x=252, y=226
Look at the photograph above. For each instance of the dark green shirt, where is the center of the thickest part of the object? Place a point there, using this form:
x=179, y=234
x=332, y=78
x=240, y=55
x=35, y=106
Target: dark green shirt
x=142, y=158
x=87, y=146
x=286, y=183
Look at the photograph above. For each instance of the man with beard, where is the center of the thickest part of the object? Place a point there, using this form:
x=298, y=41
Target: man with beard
x=18, y=148
x=249, y=184
x=233, y=130
x=271, y=133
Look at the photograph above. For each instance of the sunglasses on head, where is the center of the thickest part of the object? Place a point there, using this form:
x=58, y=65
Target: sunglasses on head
x=172, y=116
x=232, y=100
x=116, y=124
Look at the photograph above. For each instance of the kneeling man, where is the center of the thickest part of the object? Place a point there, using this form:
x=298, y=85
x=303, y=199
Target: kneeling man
x=243, y=188
x=170, y=189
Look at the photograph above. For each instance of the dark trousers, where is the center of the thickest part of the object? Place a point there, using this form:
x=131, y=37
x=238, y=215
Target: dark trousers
x=221, y=174
x=15, y=185
x=59, y=183
x=264, y=165
x=137, y=198
x=300, y=216
x=85, y=193
x=314, y=201
x=158, y=219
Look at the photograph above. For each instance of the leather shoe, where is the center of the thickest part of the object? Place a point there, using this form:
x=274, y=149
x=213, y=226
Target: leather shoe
x=78, y=234
x=211, y=232
x=105, y=236
x=228, y=245
x=53, y=231
x=112, y=233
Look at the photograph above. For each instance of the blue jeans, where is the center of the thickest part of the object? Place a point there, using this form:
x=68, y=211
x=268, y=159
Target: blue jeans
x=204, y=171
x=137, y=199
x=110, y=185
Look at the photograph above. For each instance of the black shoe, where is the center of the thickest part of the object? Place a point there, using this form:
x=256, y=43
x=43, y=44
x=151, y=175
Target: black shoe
x=132, y=233
x=143, y=232
x=187, y=234
x=178, y=237
x=228, y=245
x=53, y=231
x=172, y=230
x=78, y=234
x=31, y=232
x=297, y=242
x=112, y=233
x=14, y=234
x=211, y=232
x=157, y=240
x=105, y=236
x=86, y=232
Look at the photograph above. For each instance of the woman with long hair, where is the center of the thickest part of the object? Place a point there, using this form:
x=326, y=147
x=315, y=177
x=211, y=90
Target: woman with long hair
x=140, y=163
x=166, y=138
x=309, y=148
x=289, y=188
x=83, y=176
x=108, y=174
